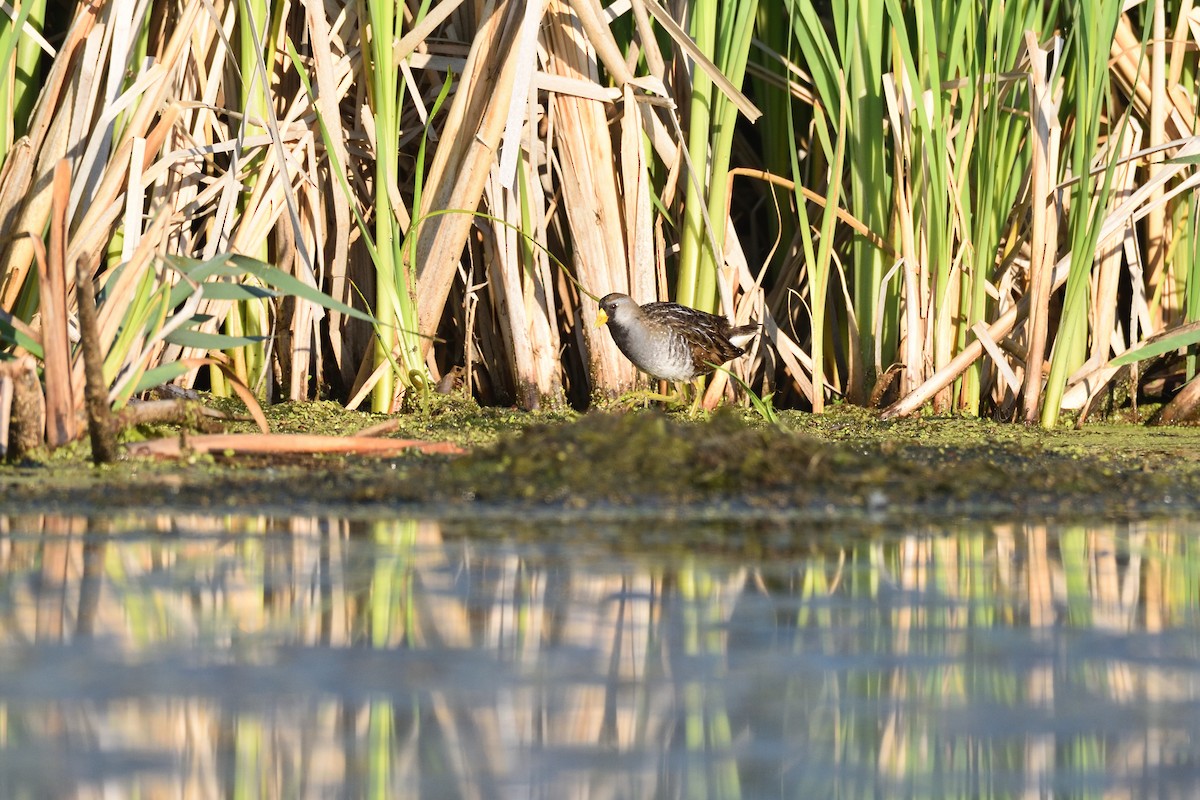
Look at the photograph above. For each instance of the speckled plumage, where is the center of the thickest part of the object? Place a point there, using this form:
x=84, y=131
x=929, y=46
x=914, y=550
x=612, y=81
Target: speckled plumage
x=670, y=341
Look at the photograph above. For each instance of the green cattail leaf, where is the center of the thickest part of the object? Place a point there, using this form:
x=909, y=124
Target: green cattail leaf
x=1185, y=336
x=237, y=266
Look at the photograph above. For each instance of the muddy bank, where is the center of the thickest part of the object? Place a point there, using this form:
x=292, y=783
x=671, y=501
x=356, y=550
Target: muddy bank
x=843, y=464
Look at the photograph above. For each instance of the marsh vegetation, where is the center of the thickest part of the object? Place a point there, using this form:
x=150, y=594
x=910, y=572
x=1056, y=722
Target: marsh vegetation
x=984, y=207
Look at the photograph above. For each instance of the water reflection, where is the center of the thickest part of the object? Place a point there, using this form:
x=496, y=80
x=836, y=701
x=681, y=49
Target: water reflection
x=253, y=657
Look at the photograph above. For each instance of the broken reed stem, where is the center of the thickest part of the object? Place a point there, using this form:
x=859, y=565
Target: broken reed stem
x=100, y=421
x=25, y=427
x=191, y=415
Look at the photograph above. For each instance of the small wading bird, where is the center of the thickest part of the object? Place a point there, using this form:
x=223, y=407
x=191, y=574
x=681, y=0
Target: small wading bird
x=672, y=342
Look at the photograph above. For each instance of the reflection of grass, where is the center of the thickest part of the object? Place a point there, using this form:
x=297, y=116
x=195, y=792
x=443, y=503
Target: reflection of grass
x=925, y=663
x=711, y=769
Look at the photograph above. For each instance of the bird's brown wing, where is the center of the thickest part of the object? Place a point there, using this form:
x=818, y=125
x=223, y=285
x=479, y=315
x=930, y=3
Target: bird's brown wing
x=707, y=335
x=710, y=347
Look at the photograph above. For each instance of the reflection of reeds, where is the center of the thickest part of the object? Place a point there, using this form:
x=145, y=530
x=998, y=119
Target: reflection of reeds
x=382, y=656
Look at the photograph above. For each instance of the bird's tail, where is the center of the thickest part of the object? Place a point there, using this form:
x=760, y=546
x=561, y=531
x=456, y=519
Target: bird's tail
x=741, y=335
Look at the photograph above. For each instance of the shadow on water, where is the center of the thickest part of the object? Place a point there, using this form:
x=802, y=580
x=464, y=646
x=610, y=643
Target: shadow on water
x=311, y=657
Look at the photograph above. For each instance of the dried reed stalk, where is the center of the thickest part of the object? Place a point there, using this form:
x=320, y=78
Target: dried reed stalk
x=47, y=144
x=61, y=425
x=1167, y=112
x=15, y=177
x=99, y=411
x=461, y=163
x=330, y=70
x=1043, y=244
x=1156, y=243
x=591, y=198
x=503, y=260
x=538, y=282
x=1183, y=406
x=1134, y=207
x=518, y=270
x=636, y=193
x=105, y=206
x=916, y=293
x=285, y=443
x=1111, y=254
x=7, y=392
x=24, y=410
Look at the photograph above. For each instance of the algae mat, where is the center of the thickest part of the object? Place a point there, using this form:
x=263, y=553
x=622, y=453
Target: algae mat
x=845, y=464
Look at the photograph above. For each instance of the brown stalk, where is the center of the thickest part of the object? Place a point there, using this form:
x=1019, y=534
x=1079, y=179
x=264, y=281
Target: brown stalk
x=912, y=351
x=654, y=58
x=15, y=177
x=538, y=282
x=277, y=175
x=1156, y=242
x=590, y=195
x=462, y=161
x=334, y=199
x=35, y=213
x=1006, y=374
x=110, y=315
x=93, y=231
x=285, y=443
x=417, y=35
x=99, y=414
x=7, y=392
x=25, y=427
x=104, y=206
x=1044, y=215
x=599, y=36
x=379, y=429
x=298, y=326
x=47, y=143
x=1184, y=406
x=635, y=193
x=504, y=274
x=1179, y=44
x=756, y=305
x=52, y=281
x=1168, y=113
x=1110, y=255
x=519, y=278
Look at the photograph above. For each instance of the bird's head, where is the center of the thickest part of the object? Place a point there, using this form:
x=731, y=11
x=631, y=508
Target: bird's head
x=615, y=306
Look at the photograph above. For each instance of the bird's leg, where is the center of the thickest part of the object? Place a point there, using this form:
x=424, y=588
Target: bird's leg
x=697, y=387
x=645, y=398
x=676, y=396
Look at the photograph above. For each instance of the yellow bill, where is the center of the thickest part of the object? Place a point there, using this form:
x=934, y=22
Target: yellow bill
x=601, y=318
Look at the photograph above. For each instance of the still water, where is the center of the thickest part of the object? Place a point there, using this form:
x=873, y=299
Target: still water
x=245, y=657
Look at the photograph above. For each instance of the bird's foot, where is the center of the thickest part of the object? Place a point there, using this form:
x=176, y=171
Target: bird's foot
x=642, y=398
